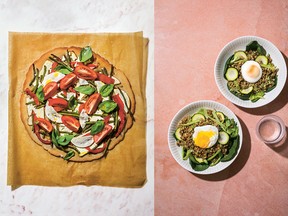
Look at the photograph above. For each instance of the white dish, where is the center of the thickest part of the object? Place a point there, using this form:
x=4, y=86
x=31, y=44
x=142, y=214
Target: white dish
x=240, y=44
x=188, y=110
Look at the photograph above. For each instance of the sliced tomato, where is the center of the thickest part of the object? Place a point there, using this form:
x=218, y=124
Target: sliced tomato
x=44, y=124
x=92, y=103
x=71, y=123
x=85, y=72
x=36, y=130
x=72, y=90
x=122, y=114
x=81, y=107
x=58, y=103
x=54, y=65
x=105, y=79
x=106, y=119
x=92, y=66
x=101, y=135
x=50, y=90
x=67, y=81
x=61, y=102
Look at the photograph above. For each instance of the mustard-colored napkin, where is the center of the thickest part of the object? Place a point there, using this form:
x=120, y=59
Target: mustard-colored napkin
x=29, y=163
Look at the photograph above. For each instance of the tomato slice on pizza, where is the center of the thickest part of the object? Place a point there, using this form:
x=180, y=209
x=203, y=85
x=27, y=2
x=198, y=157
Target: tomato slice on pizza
x=75, y=104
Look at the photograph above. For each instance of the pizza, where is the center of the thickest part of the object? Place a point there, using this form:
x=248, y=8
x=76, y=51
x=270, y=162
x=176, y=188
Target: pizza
x=75, y=104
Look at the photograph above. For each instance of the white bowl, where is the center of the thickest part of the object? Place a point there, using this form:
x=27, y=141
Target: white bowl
x=188, y=110
x=240, y=44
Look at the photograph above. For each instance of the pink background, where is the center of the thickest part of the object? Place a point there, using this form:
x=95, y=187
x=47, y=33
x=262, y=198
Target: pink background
x=188, y=38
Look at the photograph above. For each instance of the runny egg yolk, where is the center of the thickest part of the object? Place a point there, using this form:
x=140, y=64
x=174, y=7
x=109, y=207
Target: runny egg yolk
x=203, y=138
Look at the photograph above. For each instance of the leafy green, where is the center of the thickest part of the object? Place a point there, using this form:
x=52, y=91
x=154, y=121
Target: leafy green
x=62, y=69
x=197, y=166
x=107, y=106
x=255, y=46
x=97, y=127
x=255, y=97
x=106, y=90
x=229, y=125
x=227, y=63
x=72, y=102
x=232, y=150
x=86, y=54
x=65, y=139
x=40, y=93
x=85, y=89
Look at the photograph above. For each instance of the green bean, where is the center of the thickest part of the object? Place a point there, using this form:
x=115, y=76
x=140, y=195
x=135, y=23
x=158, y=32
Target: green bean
x=34, y=75
x=69, y=113
x=69, y=155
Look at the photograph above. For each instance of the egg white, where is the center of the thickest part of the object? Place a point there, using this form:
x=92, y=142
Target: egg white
x=53, y=77
x=246, y=69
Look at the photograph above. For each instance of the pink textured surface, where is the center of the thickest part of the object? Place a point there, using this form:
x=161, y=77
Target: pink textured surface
x=188, y=37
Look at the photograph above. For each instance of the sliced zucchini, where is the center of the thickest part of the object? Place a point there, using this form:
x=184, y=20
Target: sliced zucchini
x=223, y=138
x=197, y=117
x=247, y=90
x=231, y=74
x=239, y=55
x=177, y=134
x=220, y=116
x=261, y=59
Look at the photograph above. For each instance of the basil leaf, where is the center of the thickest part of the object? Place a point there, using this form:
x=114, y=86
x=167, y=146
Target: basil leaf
x=107, y=106
x=72, y=103
x=97, y=127
x=62, y=69
x=106, y=90
x=85, y=89
x=85, y=54
x=40, y=94
x=65, y=139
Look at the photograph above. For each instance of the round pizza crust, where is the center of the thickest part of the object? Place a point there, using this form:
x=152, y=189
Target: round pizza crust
x=125, y=85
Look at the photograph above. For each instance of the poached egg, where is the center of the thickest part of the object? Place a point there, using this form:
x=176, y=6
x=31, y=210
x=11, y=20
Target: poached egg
x=205, y=136
x=251, y=71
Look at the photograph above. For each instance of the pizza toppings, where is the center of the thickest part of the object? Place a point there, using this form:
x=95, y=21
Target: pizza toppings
x=44, y=124
x=71, y=123
x=92, y=103
x=58, y=102
x=85, y=72
x=50, y=90
x=81, y=103
x=68, y=81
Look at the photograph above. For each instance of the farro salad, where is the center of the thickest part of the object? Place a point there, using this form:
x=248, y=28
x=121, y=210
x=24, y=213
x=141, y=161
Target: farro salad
x=206, y=138
x=250, y=73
